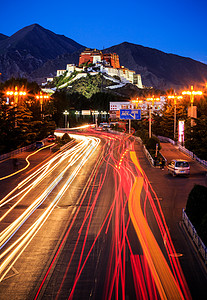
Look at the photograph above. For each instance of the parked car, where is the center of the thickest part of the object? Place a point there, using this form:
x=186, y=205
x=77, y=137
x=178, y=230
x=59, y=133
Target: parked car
x=51, y=138
x=179, y=167
x=39, y=144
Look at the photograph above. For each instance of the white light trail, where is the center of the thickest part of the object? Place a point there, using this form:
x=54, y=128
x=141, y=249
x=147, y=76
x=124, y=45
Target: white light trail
x=80, y=153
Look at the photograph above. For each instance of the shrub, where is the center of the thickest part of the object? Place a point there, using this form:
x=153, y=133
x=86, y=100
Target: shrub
x=143, y=134
x=151, y=143
x=196, y=206
x=202, y=230
x=66, y=138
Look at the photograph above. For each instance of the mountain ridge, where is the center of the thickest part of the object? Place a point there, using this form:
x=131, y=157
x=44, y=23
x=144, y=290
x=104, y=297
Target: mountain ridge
x=36, y=53
x=29, y=48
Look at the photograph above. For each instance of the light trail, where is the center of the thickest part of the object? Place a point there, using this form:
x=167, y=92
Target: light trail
x=153, y=276
x=165, y=281
x=28, y=163
x=81, y=153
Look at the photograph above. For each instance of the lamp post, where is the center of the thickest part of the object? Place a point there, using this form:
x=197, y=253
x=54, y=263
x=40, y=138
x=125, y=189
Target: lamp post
x=77, y=114
x=66, y=113
x=152, y=100
x=16, y=93
x=41, y=97
x=175, y=98
x=95, y=113
x=192, y=94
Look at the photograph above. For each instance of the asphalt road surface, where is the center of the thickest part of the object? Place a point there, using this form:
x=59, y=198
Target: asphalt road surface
x=96, y=221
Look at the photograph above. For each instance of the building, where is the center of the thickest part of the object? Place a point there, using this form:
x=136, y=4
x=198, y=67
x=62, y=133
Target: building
x=112, y=59
x=106, y=63
x=90, y=56
x=96, y=56
x=60, y=72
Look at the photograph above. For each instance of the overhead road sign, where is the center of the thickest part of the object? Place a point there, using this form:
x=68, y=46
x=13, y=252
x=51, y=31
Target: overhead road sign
x=130, y=114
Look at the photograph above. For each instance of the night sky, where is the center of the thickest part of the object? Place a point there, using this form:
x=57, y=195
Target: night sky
x=177, y=27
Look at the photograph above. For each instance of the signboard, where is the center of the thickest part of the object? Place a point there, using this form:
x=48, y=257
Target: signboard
x=181, y=132
x=86, y=112
x=130, y=114
x=121, y=105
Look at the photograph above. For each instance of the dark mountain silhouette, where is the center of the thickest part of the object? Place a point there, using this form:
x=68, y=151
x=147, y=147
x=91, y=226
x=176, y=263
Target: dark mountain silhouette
x=3, y=37
x=29, y=48
x=49, y=69
x=36, y=53
x=159, y=69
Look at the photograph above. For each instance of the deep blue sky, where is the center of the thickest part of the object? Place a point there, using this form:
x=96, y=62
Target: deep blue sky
x=177, y=27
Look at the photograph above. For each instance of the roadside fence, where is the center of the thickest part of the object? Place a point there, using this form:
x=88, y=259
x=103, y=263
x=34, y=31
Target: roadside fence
x=195, y=237
x=184, y=150
x=191, y=154
x=149, y=157
x=17, y=151
x=166, y=139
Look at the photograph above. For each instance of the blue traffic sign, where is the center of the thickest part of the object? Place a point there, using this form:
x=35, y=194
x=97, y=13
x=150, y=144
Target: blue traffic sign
x=130, y=114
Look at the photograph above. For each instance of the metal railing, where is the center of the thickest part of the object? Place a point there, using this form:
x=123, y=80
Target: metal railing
x=17, y=151
x=166, y=139
x=13, y=153
x=184, y=150
x=195, y=237
x=191, y=154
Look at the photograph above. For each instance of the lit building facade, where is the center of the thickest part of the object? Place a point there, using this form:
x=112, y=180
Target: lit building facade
x=96, y=56
x=108, y=63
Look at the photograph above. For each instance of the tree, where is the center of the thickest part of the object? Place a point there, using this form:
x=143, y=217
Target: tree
x=164, y=124
x=23, y=124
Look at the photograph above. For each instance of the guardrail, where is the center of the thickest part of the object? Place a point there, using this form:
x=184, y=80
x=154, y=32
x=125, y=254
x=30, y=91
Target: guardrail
x=149, y=157
x=195, y=237
x=166, y=139
x=191, y=154
x=184, y=150
x=13, y=153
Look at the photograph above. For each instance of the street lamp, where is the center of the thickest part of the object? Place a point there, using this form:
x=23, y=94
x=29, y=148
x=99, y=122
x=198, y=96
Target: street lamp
x=192, y=94
x=137, y=102
x=66, y=113
x=95, y=113
x=16, y=93
x=175, y=98
x=152, y=100
x=41, y=97
x=77, y=114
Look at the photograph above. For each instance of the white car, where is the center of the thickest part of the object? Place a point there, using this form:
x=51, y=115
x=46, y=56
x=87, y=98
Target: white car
x=179, y=167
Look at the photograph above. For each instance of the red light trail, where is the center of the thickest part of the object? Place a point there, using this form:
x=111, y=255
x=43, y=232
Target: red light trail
x=156, y=273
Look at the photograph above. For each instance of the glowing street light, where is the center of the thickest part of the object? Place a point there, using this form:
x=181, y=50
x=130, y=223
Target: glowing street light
x=175, y=98
x=152, y=100
x=41, y=97
x=66, y=113
x=192, y=95
x=16, y=94
x=137, y=102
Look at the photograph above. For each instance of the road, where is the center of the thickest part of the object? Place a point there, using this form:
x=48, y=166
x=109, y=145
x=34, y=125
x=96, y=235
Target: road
x=96, y=221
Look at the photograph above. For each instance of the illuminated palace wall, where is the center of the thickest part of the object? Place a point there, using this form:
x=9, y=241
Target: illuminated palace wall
x=94, y=56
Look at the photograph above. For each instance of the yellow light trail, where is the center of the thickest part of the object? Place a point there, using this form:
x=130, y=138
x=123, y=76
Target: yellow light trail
x=163, y=277
x=28, y=163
